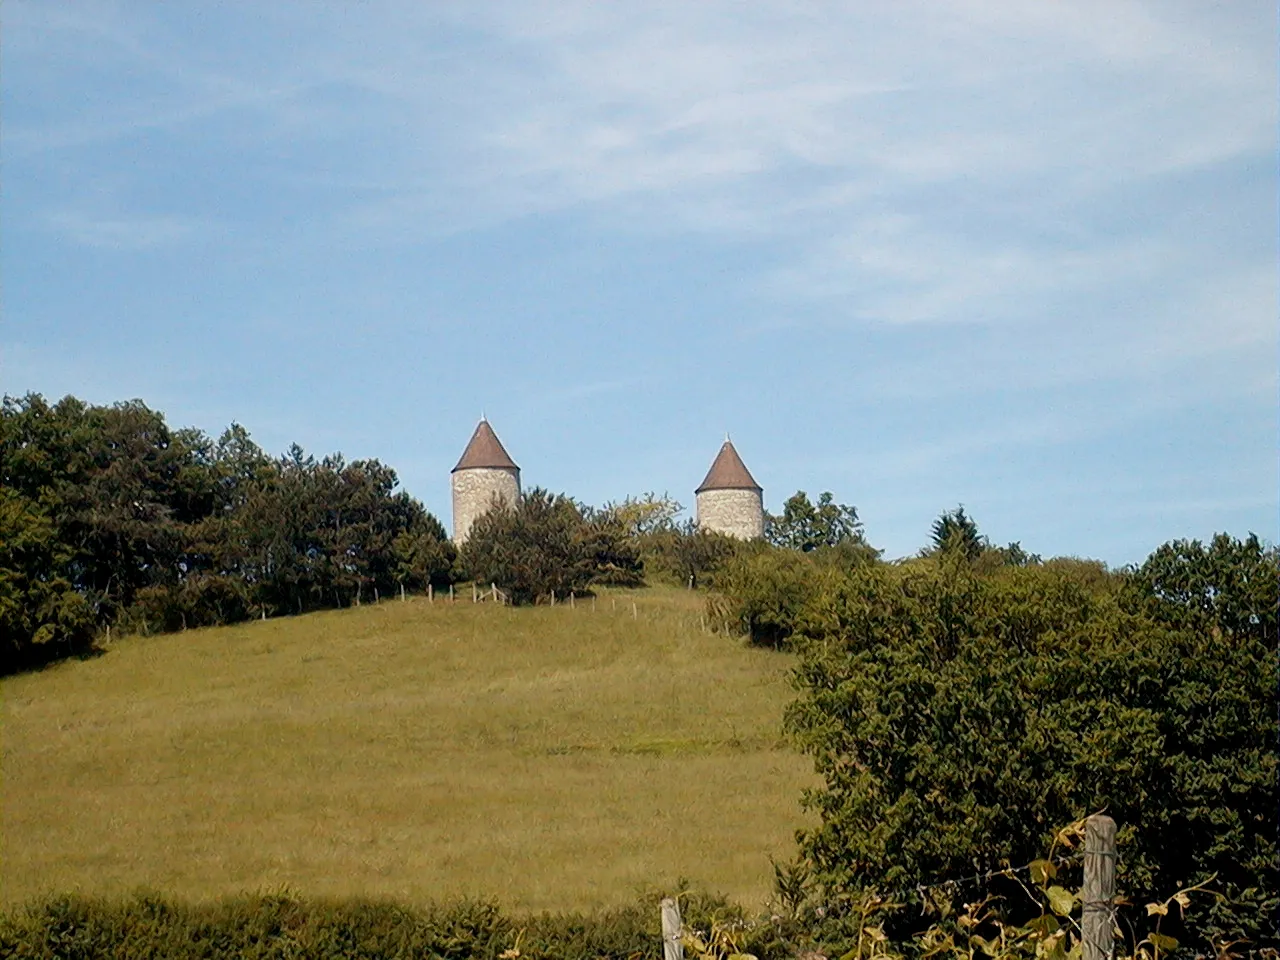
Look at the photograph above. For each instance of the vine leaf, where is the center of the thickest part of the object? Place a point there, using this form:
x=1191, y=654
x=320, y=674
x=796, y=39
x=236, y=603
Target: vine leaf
x=1061, y=900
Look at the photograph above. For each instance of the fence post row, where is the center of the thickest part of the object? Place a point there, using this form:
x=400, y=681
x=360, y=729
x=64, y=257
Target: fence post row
x=672, y=934
x=1098, y=897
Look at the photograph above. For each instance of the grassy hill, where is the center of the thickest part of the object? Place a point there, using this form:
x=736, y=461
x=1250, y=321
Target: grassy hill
x=551, y=758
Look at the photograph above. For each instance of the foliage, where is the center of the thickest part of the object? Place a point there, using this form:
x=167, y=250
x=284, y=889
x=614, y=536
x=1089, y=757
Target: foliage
x=285, y=925
x=1045, y=923
x=1229, y=586
x=955, y=715
x=764, y=594
x=41, y=613
x=424, y=555
x=687, y=555
x=645, y=515
x=544, y=544
x=806, y=526
x=956, y=533
x=767, y=593
x=110, y=517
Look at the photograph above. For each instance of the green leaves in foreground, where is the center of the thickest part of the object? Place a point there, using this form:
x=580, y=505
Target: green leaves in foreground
x=955, y=716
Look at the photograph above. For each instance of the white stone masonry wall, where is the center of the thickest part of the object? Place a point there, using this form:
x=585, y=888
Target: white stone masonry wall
x=739, y=513
x=473, y=493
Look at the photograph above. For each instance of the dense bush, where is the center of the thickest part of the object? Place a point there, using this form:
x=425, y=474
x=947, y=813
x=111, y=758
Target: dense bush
x=284, y=926
x=769, y=594
x=764, y=594
x=684, y=556
x=957, y=716
x=545, y=544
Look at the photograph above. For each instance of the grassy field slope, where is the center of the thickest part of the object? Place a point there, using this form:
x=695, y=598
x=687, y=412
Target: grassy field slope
x=551, y=758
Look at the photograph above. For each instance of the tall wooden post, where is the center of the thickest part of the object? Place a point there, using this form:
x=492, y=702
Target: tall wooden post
x=1098, y=897
x=672, y=933
x=431, y=593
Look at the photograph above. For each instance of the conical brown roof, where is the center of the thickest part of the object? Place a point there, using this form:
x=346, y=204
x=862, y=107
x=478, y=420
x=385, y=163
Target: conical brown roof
x=485, y=450
x=728, y=472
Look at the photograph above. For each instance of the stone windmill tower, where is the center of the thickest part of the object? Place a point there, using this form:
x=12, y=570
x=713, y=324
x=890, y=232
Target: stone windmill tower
x=486, y=472
x=729, y=500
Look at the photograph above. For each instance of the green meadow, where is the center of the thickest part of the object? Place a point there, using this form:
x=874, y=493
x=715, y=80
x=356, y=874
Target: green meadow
x=548, y=758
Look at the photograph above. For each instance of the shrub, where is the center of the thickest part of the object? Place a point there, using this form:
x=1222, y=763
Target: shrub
x=543, y=544
x=283, y=925
x=765, y=592
x=955, y=718
x=687, y=556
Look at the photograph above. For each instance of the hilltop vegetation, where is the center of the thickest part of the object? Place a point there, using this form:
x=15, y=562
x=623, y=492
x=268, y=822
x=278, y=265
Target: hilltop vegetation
x=963, y=705
x=109, y=517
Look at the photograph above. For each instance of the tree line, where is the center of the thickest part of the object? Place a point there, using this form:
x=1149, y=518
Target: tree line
x=962, y=704
x=108, y=517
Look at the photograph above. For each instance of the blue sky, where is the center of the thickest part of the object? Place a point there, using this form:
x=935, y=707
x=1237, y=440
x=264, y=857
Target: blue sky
x=1016, y=256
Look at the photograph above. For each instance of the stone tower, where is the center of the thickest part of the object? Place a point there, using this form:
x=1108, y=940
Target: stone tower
x=729, y=500
x=484, y=473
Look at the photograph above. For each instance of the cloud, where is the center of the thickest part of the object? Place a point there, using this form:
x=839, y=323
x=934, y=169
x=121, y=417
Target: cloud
x=976, y=163
x=126, y=234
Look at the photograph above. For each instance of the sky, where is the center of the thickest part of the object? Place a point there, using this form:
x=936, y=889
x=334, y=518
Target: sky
x=1020, y=257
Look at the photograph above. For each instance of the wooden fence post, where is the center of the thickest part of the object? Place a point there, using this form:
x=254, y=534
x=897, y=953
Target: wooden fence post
x=473, y=593
x=451, y=593
x=672, y=934
x=635, y=614
x=553, y=598
x=1098, y=897
x=431, y=593
x=572, y=600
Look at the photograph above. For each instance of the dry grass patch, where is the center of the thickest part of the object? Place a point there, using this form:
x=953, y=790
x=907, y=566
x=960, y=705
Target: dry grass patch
x=551, y=758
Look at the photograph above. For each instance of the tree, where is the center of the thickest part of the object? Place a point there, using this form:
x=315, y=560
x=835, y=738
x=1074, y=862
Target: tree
x=42, y=615
x=529, y=548
x=423, y=555
x=643, y=516
x=955, y=534
x=958, y=717
x=1231, y=585
x=806, y=526
x=109, y=516
x=697, y=555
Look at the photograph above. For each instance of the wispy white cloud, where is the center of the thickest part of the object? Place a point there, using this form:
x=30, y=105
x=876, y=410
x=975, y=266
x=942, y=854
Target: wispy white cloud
x=975, y=163
x=122, y=233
